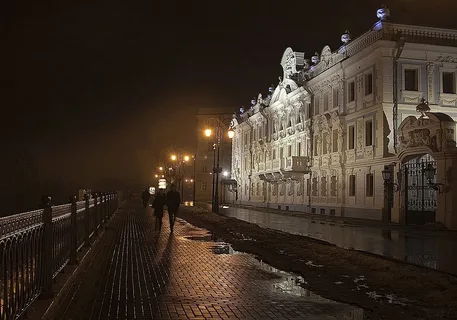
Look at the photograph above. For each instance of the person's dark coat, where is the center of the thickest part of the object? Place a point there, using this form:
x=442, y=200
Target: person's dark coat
x=158, y=204
x=173, y=200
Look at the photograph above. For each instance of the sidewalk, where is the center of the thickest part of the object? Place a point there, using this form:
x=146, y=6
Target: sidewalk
x=416, y=245
x=141, y=275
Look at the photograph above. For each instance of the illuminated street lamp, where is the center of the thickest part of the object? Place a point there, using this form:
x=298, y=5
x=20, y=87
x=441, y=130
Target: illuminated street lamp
x=160, y=168
x=225, y=173
x=173, y=157
x=156, y=175
x=218, y=134
x=186, y=158
x=208, y=132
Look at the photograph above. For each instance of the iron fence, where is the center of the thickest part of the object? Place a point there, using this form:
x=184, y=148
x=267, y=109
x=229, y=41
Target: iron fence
x=36, y=245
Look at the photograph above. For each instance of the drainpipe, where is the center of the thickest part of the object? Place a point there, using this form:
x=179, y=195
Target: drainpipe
x=399, y=49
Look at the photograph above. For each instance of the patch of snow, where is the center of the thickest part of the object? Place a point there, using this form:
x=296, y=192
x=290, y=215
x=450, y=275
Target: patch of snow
x=311, y=264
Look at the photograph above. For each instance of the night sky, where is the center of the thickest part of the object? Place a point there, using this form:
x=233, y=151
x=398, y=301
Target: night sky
x=95, y=91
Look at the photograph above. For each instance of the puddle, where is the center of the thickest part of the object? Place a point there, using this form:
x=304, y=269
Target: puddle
x=204, y=238
x=223, y=248
x=285, y=284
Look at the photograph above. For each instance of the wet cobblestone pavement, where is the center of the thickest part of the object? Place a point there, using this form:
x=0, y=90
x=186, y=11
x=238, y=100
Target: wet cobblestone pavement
x=185, y=275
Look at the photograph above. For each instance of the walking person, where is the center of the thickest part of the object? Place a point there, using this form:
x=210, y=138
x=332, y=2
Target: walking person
x=158, y=205
x=173, y=202
x=146, y=196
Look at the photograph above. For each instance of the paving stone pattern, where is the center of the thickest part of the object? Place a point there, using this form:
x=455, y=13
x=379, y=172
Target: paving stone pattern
x=184, y=275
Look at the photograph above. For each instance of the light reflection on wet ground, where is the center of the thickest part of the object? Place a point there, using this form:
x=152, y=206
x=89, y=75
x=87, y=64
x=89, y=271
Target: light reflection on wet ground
x=287, y=290
x=432, y=249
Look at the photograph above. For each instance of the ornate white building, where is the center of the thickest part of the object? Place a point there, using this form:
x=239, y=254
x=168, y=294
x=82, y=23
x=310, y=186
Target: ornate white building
x=335, y=127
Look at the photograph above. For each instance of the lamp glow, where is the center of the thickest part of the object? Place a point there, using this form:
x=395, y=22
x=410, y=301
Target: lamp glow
x=231, y=134
x=225, y=173
x=173, y=157
x=208, y=132
x=186, y=158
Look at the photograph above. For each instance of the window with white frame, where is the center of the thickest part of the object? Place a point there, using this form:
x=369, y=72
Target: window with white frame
x=369, y=132
x=335, y=98
x=351, y=137
x=324, y=142
x=369, y=185
x=411, y=79
x=351, y=91
x=448, y=82
x=352, y=185
x=335, y=140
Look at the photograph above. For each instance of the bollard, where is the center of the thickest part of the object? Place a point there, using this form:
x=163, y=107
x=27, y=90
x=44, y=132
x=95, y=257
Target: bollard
x=86, y=221
x=74, y=231
x=46, y=249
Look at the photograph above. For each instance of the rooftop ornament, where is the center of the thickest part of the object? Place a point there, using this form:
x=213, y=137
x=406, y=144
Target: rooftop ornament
x=271, y=89
x=253, y=102
x=422, y=108
x=346, y=37
x=383, y=13
x=315, y=59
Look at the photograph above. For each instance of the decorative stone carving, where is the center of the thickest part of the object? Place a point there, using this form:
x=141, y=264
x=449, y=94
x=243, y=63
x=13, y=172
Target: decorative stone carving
x=435, y=131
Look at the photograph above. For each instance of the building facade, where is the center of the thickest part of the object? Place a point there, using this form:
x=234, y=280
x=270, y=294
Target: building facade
x=327, y=138
x=216, y=119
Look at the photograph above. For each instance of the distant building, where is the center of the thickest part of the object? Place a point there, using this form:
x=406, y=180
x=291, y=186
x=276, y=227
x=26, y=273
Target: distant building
x=212, y=118
x=336, y=126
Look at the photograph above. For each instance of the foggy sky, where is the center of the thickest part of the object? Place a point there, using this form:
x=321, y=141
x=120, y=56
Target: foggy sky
x=94, y=91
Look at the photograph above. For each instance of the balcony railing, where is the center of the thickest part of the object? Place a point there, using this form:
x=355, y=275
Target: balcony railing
x=296, y=164
x=36, y=245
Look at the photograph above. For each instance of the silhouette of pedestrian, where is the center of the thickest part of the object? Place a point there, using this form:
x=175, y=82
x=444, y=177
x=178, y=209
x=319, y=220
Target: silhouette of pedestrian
x=173, y=202
x=158, y=205
x=146, y=196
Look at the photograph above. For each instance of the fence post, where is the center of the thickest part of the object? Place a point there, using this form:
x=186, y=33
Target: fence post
x=47, y=247
x=105, y=197
x=95, y=213
x=86, y=220
x=74, y=231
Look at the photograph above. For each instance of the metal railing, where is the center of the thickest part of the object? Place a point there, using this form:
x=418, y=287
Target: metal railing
x=36, y=245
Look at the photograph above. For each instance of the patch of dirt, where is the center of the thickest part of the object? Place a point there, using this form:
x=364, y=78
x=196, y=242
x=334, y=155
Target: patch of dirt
x=386, y=289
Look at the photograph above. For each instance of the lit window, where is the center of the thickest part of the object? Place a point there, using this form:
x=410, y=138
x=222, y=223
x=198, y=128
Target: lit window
x=448, y=82
x=411, y=80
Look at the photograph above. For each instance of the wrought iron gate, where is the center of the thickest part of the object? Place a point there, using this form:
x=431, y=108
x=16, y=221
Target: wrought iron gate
x=420, y=196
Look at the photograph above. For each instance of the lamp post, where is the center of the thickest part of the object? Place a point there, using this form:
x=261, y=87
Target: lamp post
x=217, y=133
x=180, y=160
